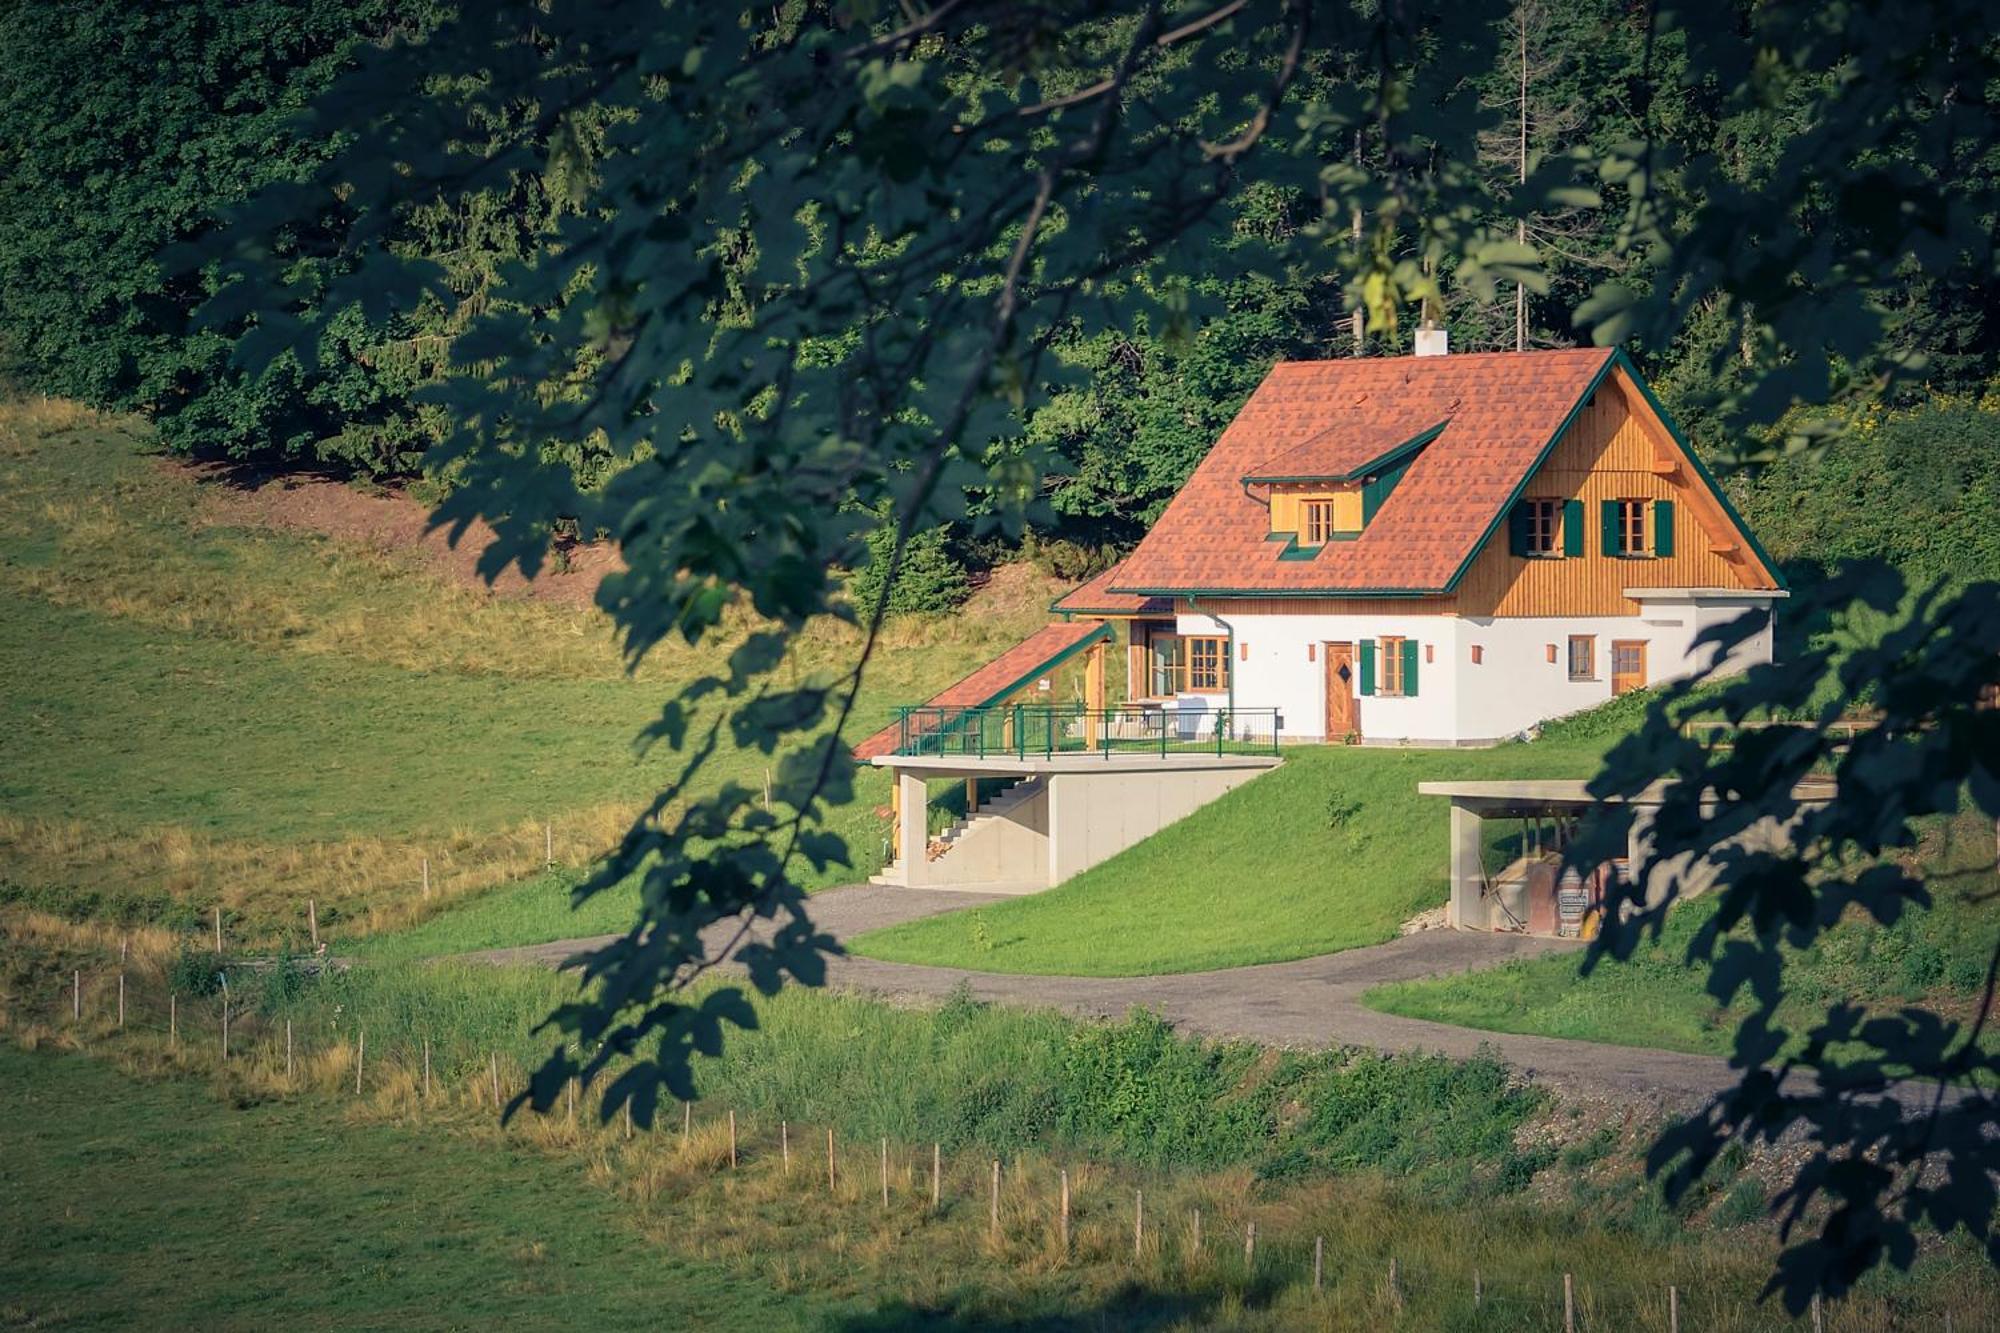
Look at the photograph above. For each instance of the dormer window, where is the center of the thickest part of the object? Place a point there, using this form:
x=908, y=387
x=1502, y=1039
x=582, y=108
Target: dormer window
x=1316, y=522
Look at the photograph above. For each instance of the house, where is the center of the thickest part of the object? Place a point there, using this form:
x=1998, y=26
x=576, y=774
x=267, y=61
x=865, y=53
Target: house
x=1432, y=549
x=1441, y=549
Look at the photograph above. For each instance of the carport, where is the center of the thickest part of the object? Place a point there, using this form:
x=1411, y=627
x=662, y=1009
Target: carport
x=1522, y=887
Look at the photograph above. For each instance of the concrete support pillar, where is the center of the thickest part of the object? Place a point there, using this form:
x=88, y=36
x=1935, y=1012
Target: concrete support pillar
x=912, y=829
x=1464, y=909
x=1068, y=838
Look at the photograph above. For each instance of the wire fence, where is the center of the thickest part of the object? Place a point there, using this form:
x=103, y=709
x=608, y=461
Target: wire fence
x=1033, y=1211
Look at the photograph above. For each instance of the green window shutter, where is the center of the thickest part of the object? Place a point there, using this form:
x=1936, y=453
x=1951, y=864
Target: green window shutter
x=1572, y=527
x=1517, y=528
x=1368, y=666
x=1410, y=668
x=1608, y=515
x=1663, y=527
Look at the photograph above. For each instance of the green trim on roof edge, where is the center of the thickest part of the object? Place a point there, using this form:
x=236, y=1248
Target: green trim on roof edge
x=1541, y=457
x=1102, y=632
x=1408, y=446
x=1701, y=470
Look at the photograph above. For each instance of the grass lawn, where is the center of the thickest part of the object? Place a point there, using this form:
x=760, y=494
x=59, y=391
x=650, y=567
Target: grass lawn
x=1332, y=850
x=157, y=1205
x=200, y=715
x=1936, y=957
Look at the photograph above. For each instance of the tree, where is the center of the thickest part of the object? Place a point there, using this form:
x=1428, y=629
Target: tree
x=824, y=257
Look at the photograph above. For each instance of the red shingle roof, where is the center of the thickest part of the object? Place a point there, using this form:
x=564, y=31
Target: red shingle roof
x=1095, y=598
x=998, y=678
x=1501, y=411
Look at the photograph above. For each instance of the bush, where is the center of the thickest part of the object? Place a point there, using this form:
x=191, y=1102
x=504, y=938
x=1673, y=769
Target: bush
x=194, y=972
x=928, y=579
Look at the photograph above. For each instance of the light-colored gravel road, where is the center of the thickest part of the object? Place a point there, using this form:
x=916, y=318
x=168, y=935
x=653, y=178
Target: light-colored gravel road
x=1311, y=1002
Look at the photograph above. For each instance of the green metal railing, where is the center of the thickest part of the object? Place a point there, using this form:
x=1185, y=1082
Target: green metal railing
x=1027, y=730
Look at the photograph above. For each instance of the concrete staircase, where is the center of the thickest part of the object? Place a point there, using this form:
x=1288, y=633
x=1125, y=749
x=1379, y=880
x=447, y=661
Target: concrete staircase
x=1009, y=829
x=997, y=806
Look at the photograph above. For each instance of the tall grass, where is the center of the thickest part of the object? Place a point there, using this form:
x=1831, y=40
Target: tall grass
x=1120, y=1107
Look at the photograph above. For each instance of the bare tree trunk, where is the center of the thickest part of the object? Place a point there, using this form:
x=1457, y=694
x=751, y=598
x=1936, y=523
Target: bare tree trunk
x=1360, y=319
x=1521, y=227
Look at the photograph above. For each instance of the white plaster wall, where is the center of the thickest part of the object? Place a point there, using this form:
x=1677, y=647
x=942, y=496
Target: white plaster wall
x=1277, y=672
x=1511, y=689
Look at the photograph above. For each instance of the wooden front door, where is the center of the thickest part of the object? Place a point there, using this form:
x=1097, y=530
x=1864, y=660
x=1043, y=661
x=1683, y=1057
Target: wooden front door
x=1628, y=665
x=1342, y=717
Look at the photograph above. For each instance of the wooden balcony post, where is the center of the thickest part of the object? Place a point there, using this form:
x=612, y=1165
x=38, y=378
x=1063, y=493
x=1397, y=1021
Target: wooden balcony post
x=1093, y=695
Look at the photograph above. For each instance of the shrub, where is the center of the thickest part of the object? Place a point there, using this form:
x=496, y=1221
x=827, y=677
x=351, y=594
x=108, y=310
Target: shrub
x=928, y=579
x=194, y=972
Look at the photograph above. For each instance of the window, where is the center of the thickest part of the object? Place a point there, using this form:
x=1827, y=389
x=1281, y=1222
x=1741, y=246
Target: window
x=1316, y=522
x=1539, y=518
x=1392, y=668
x=1207, y=665
x=1631, y=527
x=1582, y=657
x=1166, y=674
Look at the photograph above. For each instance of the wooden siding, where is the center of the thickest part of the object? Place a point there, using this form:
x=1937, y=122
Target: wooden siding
x=1287, y=516
x=1615, y=449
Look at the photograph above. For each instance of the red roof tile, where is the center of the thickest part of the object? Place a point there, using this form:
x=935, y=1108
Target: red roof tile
x=1095, y=598
x=998, y=678
x=1501, y=411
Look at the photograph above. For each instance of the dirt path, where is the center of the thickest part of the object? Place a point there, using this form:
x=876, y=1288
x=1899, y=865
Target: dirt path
x=1311, y=1002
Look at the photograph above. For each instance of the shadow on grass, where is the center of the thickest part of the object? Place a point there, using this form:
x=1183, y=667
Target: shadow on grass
x=1133, y=1305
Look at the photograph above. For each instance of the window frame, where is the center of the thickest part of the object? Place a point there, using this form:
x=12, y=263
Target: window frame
x=1309, y=511
x=1194, y=671
x=1589, y=643
x=1166, y=664
x=1634, y=527
x=1389, y=666
x=1540, y=509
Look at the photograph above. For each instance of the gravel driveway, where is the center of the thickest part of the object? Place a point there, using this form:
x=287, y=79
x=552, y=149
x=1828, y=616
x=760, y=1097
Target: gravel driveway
x=1311, y=1002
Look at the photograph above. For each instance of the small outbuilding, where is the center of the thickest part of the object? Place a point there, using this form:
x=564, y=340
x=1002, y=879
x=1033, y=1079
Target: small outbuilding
x=1511, y=877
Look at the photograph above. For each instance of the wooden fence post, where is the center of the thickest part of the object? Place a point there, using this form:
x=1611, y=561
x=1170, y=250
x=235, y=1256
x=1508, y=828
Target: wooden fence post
x=427, y=878
x=1673, y=1309
x=993, y=1203
x=548, y=845
x=1138, y=1224
x=628, y=1119
x=288, y=1048
x=312, y=922
x=218, y=929
x=493, y=1069
x=937, y=1172
x=225, y=1023
x=173, y=1019
x=687, y=1124
x=1250, y=1245
x=427, y=1068
x=121, y=1001
x=884, y=1171
x=572, y=1099
x=76, y=996
x=831, y=1178
x=785, y=1143
x=1479, y=1290
x=1569, y=1303
x=360, y=1055
x=1395, y=1287
x=1818, y=1318
x=732, y=1140
x=1319, y=1263
x=1062, y=1229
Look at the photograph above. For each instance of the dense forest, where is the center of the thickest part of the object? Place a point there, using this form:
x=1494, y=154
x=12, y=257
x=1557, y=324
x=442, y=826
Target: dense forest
x=132, y=128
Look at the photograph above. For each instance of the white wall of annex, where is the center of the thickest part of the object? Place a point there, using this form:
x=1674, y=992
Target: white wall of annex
x=1281, y=663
